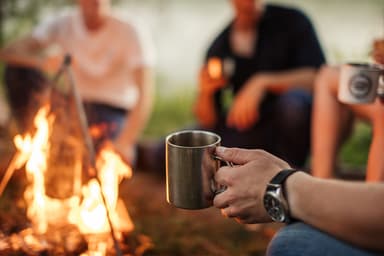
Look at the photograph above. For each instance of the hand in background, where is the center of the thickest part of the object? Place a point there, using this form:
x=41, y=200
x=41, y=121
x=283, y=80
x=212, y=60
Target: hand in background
x=204, y=111
x=209, y=82
x=126, y=152
x=378, y=51
x=246, y=183
x=52, y=63
x=245, y=109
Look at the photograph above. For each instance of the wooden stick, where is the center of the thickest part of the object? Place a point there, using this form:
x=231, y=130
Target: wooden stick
x=90, y=147
x=9, y=172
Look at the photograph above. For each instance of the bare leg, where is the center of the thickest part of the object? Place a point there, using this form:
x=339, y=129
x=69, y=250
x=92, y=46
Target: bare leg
x=374, y=113
x=329, y=122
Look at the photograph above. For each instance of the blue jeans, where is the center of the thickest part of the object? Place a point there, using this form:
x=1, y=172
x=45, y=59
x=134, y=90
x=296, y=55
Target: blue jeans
x=300, y=239
x=108, y=120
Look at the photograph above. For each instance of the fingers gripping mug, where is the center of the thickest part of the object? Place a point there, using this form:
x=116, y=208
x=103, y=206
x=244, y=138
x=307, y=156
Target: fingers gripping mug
x=360, y=83
x=191, y=166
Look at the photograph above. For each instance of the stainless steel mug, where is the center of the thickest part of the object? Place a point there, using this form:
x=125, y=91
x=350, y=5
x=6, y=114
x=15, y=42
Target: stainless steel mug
x=360, y=83
x=190, y=167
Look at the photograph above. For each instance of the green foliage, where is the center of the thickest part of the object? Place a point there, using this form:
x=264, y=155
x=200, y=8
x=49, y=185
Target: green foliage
x=19, y=16
x=169, y=114
x=354, y=152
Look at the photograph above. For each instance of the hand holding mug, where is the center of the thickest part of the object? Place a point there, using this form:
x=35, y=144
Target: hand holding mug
x=246, y=183
x=378, y=51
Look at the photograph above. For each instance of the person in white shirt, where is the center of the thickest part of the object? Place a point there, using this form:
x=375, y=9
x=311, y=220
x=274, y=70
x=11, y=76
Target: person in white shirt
x=111, y=66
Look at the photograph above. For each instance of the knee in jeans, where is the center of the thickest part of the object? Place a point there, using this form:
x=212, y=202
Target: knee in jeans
x=295, y=239
x=293, y=109
x=300, y=239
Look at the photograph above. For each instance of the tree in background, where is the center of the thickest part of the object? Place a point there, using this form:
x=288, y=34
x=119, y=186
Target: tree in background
x=17, y=16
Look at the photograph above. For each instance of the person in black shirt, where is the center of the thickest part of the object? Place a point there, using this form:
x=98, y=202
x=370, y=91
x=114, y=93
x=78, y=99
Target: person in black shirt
x=268, y=57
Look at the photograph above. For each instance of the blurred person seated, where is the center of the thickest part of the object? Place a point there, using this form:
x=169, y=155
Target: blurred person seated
x=112, y=68
x=262, y=98
x=324, y=217
x=333, y=121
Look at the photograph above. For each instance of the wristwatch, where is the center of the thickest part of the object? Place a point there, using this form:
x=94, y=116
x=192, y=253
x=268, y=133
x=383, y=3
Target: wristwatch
x=275, y=201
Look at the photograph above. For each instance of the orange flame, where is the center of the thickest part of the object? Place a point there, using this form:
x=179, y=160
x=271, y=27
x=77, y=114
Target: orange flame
x=91, y=216
x=32, y=151
x=88, y=212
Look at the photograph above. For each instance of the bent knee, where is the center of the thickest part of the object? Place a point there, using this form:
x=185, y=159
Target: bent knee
x=291, y=240
x=300, y=239
x=294, y=107
x=327, y=79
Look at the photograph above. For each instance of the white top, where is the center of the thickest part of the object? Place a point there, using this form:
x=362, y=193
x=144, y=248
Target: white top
x=104, y=60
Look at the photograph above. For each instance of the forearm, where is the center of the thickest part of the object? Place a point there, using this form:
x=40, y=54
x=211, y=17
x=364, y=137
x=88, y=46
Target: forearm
x=133, y=125
x=299, y=78
x=23, y=53
x=350, y=211
x=26, y=61
x=139, y=115
x=205, y=110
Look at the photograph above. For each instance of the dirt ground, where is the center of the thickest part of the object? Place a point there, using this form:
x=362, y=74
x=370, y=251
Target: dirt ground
x=187, y=232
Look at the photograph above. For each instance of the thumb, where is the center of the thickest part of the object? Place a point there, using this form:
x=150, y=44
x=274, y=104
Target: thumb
x=235, y=155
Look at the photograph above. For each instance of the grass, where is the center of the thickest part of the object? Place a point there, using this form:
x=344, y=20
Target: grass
x=170, y=113
x=180, y=232
x=354, y=152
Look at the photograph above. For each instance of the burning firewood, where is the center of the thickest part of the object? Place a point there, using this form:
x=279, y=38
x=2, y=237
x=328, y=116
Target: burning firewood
x=66, y=214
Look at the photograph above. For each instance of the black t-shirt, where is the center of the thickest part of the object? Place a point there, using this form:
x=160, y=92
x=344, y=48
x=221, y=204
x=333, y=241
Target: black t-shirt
x=286, y=40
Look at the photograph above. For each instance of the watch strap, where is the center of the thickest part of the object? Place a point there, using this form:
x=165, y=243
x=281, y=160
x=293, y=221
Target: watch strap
x=282, y=176
x=279, y=180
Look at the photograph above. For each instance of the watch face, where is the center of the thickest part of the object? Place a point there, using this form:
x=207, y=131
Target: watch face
x=274, y=207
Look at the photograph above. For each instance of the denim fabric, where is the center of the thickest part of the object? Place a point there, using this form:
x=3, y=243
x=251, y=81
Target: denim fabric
x=108, y=119
x=299, y=239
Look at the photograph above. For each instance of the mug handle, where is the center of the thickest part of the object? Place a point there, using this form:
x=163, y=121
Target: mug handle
x=380, y=88
x=221, y=188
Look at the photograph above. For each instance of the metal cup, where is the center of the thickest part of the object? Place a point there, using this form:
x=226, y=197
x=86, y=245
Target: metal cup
x=359, y=83
x=190, y=167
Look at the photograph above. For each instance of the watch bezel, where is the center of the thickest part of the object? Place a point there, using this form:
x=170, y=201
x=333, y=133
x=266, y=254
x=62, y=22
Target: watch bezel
x=274, y=192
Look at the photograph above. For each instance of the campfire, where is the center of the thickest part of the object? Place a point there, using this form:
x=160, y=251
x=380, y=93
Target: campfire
x=73, y=206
